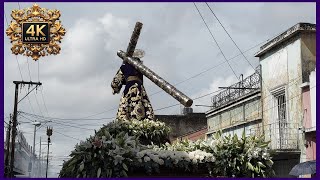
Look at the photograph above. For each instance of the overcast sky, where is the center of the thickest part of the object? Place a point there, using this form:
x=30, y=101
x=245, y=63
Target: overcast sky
x=76, y=83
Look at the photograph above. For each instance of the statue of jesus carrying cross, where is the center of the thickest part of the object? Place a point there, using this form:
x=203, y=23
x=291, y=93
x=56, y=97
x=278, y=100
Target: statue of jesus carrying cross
x=134, y=103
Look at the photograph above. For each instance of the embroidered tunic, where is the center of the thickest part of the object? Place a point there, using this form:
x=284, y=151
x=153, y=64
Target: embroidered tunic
x=134, y=103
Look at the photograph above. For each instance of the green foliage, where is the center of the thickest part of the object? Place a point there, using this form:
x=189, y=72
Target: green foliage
x=122, y=148
x=240, y=157
x=147, y=131
x=113, y=148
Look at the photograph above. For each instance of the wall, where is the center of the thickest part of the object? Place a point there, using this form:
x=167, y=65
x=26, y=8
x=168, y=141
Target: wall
x=288, y=65
x=306, y=107
x=199, y=134
x=281, y=68
x=310, y=146
x=308, y=54
x=183, y=124
x=313, y=98
x=235, y=118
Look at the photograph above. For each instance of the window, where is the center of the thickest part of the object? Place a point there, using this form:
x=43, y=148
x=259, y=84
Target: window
x=280, y=118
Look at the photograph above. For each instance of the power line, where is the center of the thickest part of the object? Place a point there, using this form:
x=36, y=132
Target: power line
x=19, y=67
x=44, y=103
x=275, y=106
x=196, y=98
x=166, y=107
x=235, y=44
x=71, y=126
x=100, y=113
x=212, y=67
x=27, y=94
x=38, y=104
x=38, y=72
x=192, y=77
x=64, y=119
x=229, y=35
x=299, y=94
x=5, y=15
x=29, y=68
x=67, y=136
x=215, y=41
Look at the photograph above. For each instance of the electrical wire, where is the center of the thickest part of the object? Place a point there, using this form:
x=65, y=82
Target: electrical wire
x=67, y=135
x=262, y=100
x=64, y=119
x=27, y=94
x=236, y=44
x=216, y=41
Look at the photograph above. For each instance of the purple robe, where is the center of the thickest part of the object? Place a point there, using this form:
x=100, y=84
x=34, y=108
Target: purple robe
x=134, y=103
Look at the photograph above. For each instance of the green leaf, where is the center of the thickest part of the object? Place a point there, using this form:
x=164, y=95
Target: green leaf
x=250, y=166
x=81, y=166
x=124, y=173
x=125, y=166
x=108, y=174
x=269, y=162
x=256, y=169
x=99, y=172
x=261, y=164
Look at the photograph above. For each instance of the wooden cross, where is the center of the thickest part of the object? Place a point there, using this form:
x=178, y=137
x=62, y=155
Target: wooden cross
x=167, y=87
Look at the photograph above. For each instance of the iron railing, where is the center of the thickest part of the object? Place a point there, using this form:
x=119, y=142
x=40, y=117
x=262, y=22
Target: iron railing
x=284, y=136
x=237, y=90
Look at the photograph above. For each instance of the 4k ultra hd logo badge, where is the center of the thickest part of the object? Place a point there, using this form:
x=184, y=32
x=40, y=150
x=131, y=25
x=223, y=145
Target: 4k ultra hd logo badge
x=35, y=32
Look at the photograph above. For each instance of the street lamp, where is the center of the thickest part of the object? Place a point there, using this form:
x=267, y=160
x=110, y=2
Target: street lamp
x=36, y=124
x=31, y=164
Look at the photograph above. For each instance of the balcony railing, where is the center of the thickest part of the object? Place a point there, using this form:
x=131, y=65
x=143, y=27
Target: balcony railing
x=284, y=136
x=235, y=91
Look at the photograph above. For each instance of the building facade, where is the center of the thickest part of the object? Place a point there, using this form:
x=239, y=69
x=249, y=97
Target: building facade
x=309, y=118
x=278, y=100
x=237, y=109
x=286, y=62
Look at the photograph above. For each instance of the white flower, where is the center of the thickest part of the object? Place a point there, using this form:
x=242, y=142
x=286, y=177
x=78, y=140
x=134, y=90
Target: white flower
x=255, y=154
x=213, y=159
x=175, y=161
x=201, y=158
x=197, y=156
x=140, y=160
x=146, y=159
x=161, y=161
x=265, y=155
x=139, y=154
x=194, y=161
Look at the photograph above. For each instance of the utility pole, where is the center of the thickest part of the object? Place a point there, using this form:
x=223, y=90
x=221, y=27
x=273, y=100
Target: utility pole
x=14, y=120
x=6, y=163
x=40, y=163
x=36, y=124
x=49, y=133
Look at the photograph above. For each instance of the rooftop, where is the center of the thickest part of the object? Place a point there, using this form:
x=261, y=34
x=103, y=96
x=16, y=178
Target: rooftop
x=285, y=36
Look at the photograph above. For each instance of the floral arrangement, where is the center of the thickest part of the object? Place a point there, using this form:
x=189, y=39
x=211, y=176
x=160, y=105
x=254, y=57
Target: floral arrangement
x=123, y=148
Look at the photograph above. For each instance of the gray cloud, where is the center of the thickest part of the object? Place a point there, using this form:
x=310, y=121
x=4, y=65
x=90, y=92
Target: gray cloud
x=76, y=83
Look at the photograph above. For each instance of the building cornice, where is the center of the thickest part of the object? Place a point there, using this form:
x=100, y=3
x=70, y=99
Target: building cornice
x=294, y=30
